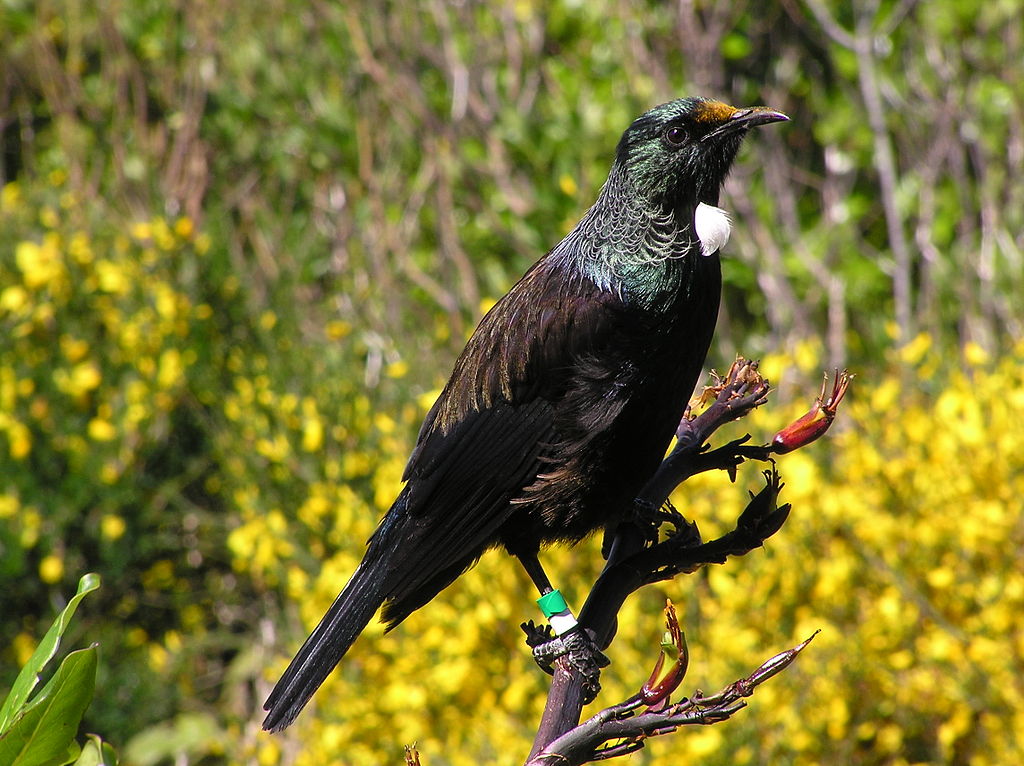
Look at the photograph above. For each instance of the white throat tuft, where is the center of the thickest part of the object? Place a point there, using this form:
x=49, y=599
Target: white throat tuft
x=713, y=228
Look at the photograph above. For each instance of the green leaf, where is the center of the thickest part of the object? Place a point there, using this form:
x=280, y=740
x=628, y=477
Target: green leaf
x=188, y=737
x=74, y=750
x=97, y=753
x=29, y=675
x=46, y=727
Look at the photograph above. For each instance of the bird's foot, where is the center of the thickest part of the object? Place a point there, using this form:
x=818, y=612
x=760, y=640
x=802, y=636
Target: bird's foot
x=545, y=645
x=586, y=659
x=649, y=517
x=536, y=635
x=582, y=653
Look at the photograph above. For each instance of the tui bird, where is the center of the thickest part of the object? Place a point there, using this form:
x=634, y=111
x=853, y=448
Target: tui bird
x=566, y=396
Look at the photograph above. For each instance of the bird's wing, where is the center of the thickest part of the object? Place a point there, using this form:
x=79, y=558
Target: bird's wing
x=525, y=349
x=483, y=440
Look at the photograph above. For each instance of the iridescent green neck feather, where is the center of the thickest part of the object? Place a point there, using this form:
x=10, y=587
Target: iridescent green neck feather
x=630, y=246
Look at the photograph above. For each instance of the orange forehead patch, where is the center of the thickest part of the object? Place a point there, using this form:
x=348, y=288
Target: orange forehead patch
x=714, y=112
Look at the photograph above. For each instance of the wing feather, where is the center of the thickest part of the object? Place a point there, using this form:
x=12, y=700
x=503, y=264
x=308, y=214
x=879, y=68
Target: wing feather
x=484, y=439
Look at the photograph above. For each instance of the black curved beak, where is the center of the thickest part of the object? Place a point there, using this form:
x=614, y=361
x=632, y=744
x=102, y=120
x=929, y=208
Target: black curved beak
x=742, y=119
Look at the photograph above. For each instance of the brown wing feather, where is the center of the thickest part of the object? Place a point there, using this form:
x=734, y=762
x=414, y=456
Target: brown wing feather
x=483, y=440
x=525, y=348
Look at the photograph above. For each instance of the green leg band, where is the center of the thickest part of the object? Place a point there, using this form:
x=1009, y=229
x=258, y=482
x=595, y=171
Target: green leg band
x=554, y=607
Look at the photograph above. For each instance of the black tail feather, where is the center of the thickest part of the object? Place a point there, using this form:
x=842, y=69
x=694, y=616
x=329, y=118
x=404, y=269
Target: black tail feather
x=325, y=647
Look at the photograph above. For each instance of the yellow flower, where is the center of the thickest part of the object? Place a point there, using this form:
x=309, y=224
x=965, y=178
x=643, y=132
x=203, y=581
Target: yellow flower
x=101, y=430
x=74, y=349
x=110, y=472
x=171, y=369
x=338, y=329
x=84, y=377
x=312, y=433
x=807, y=355
x=112, y=277
x=135, y=637
x=267, y=320
x=9, y=505
x=288, y=403
x=23, y=646
x=79, y=248
x=427, y=398
x=268, y=753
x=20, y=439
x=184, y=227
x=51, y=569
x=112, y=527
x=275, y=449
x=31, y=521
x=704, y=742
x=202, y=243
x=941, y=577
x=397, y=369
x=158, y=657
x=10, y=196
x=172, y=640
x=141, y=230
x=915, y=350
x=40, y=265
x=975, y=355
x=13, y=299
x=165, y=300
x=163, y=235
x=48, y=217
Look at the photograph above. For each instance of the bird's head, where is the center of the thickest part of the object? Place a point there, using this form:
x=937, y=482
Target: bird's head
x=679, y=153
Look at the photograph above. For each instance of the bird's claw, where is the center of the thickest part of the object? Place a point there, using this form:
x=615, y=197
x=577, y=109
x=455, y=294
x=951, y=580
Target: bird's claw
x=649, y=517
x=546, y=654
x=582, y=653
x=537, y=635
x=545, y=645
x=586, y=659
x=668, y=513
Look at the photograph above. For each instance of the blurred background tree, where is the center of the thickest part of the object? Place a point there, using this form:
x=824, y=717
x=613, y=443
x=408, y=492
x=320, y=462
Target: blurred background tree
x=241, y=244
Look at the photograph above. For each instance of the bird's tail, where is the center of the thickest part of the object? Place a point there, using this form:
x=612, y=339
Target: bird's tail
x=323, y=650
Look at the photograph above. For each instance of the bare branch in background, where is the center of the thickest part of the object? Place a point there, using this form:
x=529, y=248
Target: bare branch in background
x=861, y=42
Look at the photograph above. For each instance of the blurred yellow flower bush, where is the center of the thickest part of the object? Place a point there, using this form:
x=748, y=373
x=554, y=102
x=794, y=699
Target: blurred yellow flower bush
x=107, y=342
x=903, y=548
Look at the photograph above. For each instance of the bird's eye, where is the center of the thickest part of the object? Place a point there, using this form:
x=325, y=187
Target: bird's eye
x=675, y=135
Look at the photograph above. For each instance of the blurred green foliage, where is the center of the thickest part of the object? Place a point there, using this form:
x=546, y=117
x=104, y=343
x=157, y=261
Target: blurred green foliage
x=241, y=244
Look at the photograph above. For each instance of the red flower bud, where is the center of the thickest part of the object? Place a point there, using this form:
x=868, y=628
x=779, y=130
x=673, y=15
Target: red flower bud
x=665, y=679
x=803, y=431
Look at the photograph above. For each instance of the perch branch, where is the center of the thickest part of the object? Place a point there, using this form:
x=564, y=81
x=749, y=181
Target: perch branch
x=635, y=558
x=620, y=729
